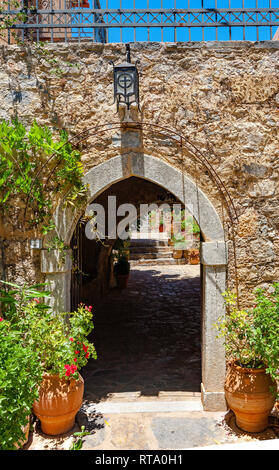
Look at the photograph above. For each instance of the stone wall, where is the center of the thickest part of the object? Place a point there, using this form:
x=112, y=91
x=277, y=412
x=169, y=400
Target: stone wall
x=223, y=97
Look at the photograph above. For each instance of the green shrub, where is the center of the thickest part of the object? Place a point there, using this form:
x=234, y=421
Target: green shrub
x=251, y=336
x=20, y=376
x=60, y=339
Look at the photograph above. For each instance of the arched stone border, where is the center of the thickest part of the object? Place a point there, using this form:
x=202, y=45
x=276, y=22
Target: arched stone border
x=213, y=254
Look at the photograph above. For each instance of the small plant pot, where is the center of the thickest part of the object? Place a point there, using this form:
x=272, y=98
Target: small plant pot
x=59, y=401
x=161, y=228
x=249, y=396
x=177, y=254
x=121, y=280
x=194, y=256
x=186, y=254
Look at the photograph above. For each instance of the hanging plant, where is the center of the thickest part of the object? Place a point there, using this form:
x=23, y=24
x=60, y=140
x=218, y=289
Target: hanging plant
x=36, y=168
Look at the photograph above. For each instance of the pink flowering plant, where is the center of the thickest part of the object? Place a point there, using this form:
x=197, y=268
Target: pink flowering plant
x=59, y=339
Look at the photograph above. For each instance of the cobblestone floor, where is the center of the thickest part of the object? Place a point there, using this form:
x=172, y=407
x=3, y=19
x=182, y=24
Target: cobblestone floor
x=148, y=336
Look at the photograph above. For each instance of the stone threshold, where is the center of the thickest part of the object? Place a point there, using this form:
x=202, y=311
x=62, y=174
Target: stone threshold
x=110, y=407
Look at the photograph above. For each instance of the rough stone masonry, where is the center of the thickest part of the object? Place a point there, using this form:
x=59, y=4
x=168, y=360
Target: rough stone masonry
x=223, y=97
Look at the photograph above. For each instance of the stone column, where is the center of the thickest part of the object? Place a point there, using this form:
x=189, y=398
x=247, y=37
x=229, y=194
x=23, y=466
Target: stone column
x=57, y=267
x=214, y=260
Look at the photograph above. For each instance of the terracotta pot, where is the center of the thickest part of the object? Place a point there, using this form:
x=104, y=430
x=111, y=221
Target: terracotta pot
x=186, y=254
x=194, y=256
x=59, y=401
x=122, y=280
x=249, y=396
x=177, y=254
x=161, y=228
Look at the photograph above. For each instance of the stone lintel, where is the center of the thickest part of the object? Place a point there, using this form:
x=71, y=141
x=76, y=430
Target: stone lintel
x=214, y=253
x=55, y=261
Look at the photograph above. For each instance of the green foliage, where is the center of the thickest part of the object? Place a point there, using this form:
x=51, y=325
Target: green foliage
x=78, y=443
x=37, y=167
x=20, y=375
x=8, y=21
x=252, y=336
x=57, y=244
x=121, y=248
x=33, y=341
x=59, y=340
x=179, y=242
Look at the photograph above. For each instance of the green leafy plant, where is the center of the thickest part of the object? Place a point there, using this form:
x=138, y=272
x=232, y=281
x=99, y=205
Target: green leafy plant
x=9, y=20
x=59, y=340
x=37, y=167
x=20, y=376
x=179, y=242
x=251, y=337
x=57, y=244
x=121, y=248
x=78, y=442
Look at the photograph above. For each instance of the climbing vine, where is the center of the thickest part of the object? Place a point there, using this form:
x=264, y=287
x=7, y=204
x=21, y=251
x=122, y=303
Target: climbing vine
x=38, y=168
x=7, y=22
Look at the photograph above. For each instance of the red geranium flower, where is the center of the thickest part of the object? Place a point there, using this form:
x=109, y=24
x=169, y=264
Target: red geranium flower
x=1, y=319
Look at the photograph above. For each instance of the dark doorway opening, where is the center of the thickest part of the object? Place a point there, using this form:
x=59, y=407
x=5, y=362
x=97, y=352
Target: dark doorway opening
x=147, y=336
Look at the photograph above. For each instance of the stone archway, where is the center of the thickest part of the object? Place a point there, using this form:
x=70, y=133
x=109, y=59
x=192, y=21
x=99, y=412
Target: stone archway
x=213, y=254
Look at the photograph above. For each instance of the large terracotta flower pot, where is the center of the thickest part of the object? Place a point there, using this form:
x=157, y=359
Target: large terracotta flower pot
x=58, y=403
x=249, y=396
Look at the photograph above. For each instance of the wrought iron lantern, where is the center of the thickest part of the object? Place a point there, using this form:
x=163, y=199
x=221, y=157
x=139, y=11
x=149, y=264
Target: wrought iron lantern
x=126, y=82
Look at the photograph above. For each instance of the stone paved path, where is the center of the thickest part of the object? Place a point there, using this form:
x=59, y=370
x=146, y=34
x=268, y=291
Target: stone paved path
x=154, y=431
x=148, y=335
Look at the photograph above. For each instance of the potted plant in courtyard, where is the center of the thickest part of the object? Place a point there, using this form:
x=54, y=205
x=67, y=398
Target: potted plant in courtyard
x=20, y=376
x=121, y=271
x=178, y=245
x=194, y=255
x=161, y=224
x=61, y=344
x=121, y=268
x=252, y=349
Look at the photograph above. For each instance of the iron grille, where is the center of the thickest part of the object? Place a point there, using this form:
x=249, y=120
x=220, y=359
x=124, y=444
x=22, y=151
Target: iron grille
x=77, y=20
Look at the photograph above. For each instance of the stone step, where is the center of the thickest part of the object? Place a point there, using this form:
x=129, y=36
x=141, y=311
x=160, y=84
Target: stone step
x=147, y=243
x=158, y=261
x=150, y=255
x=150, y=249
